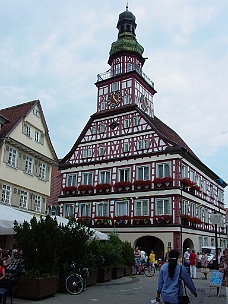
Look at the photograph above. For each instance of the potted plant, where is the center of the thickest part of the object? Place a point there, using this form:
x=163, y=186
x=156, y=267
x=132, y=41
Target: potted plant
x=128, y=256
x=102, y=220
x=159, y=181
x=141, y=220
x=39, y=241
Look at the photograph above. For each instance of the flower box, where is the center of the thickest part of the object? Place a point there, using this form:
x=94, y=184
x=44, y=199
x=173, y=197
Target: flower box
x=104, y=275
x=163, y=219
x=123, y=186
x=145, y=184
x=122, y=220
x=102, y=220
x=36, y=288
x=187, y=182
x=85, y=189
x=103, y=187
x=84, y=219
x=141, y=220
x=159, y=181
x=69, y=190
x=117, y=272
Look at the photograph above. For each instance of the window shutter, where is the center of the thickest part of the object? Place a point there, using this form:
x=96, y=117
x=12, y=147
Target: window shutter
x=36, y=168
x=15, y=191
x=24, y=128
x=41, y=138
x=6, y=154
x=47, y=173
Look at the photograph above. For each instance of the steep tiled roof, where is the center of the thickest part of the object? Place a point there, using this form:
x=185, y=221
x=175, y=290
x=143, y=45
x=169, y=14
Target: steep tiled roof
x=14, y=114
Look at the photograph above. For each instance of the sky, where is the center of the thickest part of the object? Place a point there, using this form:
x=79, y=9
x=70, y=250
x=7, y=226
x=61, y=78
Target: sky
x=53, y=50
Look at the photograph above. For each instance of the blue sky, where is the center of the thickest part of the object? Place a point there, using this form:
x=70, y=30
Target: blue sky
x=52, y=50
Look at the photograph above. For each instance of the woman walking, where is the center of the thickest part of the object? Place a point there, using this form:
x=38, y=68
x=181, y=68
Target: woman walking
x=169, y=283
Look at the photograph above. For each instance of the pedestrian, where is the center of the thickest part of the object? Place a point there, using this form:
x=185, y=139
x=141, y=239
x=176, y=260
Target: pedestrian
x=223, y=267
x=186, y=259
x=204, y=263
x=137, y=254
x=169, y=286
x=167, y=255
x=152, y=259
x=193, y=263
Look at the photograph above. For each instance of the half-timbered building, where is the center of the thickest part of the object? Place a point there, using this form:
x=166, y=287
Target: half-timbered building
x=130, y=172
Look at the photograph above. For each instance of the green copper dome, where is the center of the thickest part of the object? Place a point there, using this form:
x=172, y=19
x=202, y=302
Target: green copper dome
x=126, y=37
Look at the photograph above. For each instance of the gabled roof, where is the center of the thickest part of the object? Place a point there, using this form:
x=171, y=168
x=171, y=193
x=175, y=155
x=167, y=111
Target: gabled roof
x=16, y=114
x=156, y=124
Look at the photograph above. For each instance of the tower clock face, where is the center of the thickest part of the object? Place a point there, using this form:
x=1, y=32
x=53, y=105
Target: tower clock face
x=114, y=99
x=144, y=103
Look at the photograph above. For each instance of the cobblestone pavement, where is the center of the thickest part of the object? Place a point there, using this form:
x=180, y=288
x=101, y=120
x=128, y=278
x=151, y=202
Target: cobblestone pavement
x=132, y=290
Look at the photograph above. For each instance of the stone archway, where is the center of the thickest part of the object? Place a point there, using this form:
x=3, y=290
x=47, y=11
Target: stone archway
x=187, y=244
x=149, y=243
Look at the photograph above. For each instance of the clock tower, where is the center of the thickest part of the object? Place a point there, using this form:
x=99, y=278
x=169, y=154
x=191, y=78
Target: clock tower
x=125, y=83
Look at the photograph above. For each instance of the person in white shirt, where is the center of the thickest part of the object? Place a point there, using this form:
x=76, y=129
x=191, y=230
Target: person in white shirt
x=187, y=260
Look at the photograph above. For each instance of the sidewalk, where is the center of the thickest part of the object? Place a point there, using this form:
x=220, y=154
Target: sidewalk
x=132, y=290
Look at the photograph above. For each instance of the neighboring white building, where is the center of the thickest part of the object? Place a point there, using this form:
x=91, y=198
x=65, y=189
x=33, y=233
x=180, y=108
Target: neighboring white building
x=26, y=158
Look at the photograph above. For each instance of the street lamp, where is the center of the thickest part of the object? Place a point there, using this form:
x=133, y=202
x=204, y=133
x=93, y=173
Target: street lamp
x=215, y=219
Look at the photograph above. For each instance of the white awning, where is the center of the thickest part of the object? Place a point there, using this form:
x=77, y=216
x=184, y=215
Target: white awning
x=9, y=214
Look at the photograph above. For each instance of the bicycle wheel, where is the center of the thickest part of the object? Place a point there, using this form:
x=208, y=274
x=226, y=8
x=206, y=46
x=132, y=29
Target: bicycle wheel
x=74, y=284
x=149, y=272
x=134, y=270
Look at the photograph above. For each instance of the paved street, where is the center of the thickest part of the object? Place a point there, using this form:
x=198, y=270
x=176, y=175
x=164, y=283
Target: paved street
x=133, y=290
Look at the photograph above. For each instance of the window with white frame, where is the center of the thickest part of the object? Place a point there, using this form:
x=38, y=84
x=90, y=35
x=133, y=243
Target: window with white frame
x=192, y=175
x=29, y=165
x=114, y=86
x=206, y=215
x=94, y=130
x=28, y=130
x=85, y=209
x=200, y=213
x=200, y=242
x=136, y=121
x=211, y=190
x=126, y=146
x=184, y=207
x=212, y=242
x=142, y=172
x=37, y=203
x=101, y=151
x=84, y=153
x=141, y=207
x=126, y=99
x=121, y=208
x=102, y=128
x=205, y=241
x=126, y=123
x=87, y=178
x=193, y=209
x=117, y=69
x=184, y=171
x=223, y=243
x=42, y=171
x=68, y=211
x=37, y=136
x=205, y=186
x=102, y=209
x=163, y=206
x=124, y=175
x=140, y=144
x=145, y=144
x=24, y=199
x=163, y=170
x=71, y=180
x=12, y=160
x=6, y=194
x=90, y=152
x=198, y=180
x=36, y=112
x=104, y=177
x=129, y=67
x=102, y=105
x=220, y=195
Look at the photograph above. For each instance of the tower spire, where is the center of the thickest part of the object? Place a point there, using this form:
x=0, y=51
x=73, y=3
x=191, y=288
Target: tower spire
x=127, y=6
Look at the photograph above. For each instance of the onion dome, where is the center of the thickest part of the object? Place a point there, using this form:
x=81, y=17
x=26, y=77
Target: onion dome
x=126, y=37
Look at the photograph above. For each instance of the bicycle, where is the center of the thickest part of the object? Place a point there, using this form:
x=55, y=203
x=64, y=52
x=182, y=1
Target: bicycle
x=149, y=271
x=76, y=282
